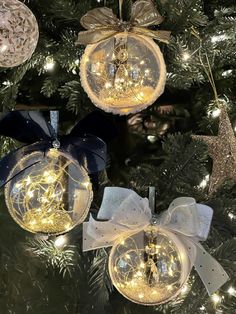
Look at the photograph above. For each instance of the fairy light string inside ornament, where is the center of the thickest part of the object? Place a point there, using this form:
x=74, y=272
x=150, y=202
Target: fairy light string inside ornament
x=150, y=266
x=122, y=69
x=48, y=192
x=152, y=256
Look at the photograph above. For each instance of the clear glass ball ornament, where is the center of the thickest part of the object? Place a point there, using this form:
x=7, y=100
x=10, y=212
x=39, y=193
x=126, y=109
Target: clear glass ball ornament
x=124, y=74
x=149, y=267
x=48, y=194
x=18, y=33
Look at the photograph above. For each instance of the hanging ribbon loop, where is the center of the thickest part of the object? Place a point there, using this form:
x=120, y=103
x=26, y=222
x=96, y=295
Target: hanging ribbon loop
x=126, y=212
x=102, y=23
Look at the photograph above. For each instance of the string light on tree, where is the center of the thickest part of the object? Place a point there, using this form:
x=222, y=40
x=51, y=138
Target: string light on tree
x=185, y=289
x=49, y=64
x=216, y=298
x=51, y=196
x=218, y=38
x=186, y=56
x=77, y=61
x=232, y=291
x=74, y=66
x=215, y=113
x=204, y=182
x=231, y=216
x=61, y=241
x=7, y=83
x=152, y=139
x=227, y=73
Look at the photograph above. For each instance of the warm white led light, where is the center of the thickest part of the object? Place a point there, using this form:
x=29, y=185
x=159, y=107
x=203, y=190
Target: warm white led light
x=231, y=291
x=204, y=182
x=61, y=241
x=186, y=56
x=49, y=64
x=214, y=113
x=216, y=298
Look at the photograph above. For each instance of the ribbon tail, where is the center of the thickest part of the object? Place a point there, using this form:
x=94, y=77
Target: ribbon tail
x=100, y=234
x=95, y=35
x=162, y=36
x=210, y=271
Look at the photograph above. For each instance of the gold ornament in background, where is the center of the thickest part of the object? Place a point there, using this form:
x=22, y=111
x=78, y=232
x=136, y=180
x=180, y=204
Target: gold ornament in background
x=149, y=267
x=48, y=194
x=19, y=33
x=222, y=149
x=123, y=74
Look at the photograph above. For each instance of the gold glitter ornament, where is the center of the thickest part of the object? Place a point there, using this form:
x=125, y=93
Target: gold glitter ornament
x=18, y=33
x=123, y=74
x=48, y=194
x=222, y=149
x=149, y=267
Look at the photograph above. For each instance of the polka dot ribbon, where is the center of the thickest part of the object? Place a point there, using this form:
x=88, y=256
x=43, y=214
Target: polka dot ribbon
x=123, y=212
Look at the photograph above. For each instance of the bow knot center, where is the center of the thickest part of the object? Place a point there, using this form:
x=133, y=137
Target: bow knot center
x=125, y=26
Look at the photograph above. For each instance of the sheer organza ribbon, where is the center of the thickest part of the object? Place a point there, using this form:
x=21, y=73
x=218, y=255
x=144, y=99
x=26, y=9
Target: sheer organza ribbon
x=31, y=128
x=101, y=23
x=126, y=212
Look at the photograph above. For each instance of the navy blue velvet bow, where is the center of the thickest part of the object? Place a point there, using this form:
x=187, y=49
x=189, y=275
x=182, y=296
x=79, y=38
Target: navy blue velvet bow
x=31, y=128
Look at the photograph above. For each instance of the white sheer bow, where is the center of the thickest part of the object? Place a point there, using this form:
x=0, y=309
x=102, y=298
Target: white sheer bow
x=123, y=211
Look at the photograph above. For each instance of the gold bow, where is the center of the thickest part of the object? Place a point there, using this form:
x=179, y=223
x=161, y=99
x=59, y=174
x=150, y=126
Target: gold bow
x=101, y=23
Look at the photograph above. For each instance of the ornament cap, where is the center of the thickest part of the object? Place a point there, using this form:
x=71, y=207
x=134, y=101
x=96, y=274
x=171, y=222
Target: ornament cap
x=56, y=144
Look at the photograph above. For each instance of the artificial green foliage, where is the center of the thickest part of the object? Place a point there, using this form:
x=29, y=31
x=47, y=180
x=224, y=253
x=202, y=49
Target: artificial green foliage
x=59, y=258
x=152, y=148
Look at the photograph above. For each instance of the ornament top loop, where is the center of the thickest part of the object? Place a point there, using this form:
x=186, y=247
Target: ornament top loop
x=152, y=205
x=54, y=121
